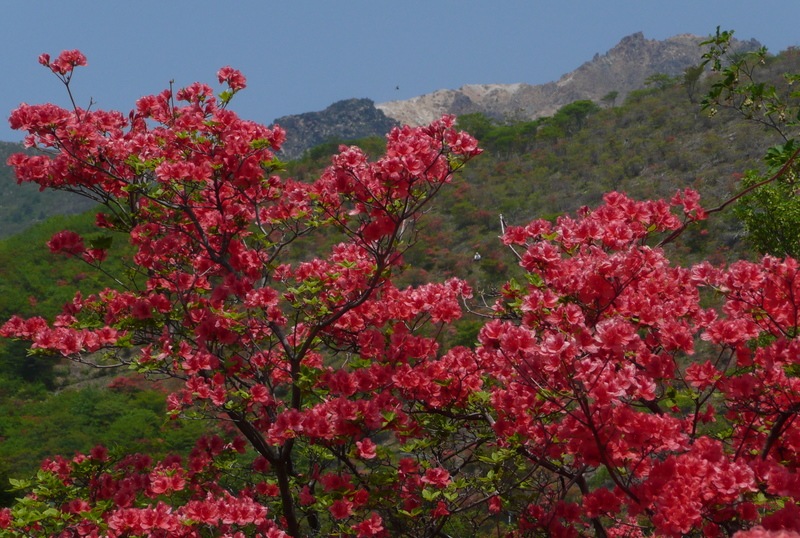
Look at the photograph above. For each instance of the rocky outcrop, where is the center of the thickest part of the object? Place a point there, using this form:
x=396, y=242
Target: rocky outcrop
x=343, y=120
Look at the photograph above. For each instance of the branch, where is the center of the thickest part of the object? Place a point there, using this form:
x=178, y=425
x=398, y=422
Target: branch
x=778, y=428
x=675, y=234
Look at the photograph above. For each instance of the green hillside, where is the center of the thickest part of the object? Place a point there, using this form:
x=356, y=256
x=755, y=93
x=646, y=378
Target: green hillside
x=23, y=205
x=657, y=142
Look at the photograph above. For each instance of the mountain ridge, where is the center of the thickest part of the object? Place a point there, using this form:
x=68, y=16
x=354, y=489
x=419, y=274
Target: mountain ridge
x=348, y=119
x=622, y=69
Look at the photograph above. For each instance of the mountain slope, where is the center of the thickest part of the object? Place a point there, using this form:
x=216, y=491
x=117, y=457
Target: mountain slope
x=24, y=205
x=343, y=120
x=622, y=69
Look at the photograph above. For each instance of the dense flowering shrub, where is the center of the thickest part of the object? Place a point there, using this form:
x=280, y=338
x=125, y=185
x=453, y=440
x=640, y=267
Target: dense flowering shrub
x=610, y=392
x=633, y=399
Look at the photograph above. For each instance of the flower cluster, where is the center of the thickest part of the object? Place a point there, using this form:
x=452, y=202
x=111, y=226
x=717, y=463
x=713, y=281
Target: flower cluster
x=598, y=369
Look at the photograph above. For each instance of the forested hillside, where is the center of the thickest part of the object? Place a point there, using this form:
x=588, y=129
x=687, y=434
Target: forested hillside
x=23, y=205
x=654, y=143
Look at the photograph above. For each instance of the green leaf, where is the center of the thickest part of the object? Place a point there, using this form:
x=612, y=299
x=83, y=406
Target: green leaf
x=19, y=484
x=430, y=494
x=101, y=243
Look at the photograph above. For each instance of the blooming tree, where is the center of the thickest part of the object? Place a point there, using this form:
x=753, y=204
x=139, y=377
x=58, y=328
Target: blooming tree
x=646, y=397
x=319, y=363
x=611, y=392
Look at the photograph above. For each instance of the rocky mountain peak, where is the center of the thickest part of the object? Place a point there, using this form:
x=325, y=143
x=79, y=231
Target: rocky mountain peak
x=347, y=120
x=622, y=69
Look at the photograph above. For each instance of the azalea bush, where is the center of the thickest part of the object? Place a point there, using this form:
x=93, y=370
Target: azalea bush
x=610, y=392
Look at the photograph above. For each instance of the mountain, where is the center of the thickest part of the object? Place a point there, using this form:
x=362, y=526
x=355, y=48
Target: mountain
x=622, y=69
x=343, y=120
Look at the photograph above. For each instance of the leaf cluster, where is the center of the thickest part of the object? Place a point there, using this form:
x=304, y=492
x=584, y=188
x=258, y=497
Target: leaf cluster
x=760, y=88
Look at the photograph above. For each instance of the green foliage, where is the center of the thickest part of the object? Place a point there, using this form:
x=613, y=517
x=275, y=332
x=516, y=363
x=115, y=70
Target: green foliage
x=38, y=426
x=477, y=124
x=771, y=211
x=572, y=117
x=635, y=97
x=502, y=138
x=660, y=81
x=610, y=98
x=518, y=137
x=34, y=281
x=760, y=89
x=512, y=138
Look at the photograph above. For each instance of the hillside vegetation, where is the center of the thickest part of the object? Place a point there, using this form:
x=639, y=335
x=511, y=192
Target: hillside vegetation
x=23, y=205
x=656, y=142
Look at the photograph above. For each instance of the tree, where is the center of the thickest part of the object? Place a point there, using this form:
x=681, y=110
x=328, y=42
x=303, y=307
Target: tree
x=769, y=210
x=313, y=360
x=691, y=76
x=660, y=81
x=611, y=392
x=610, y=98
x=573, y=116
x=476, y=123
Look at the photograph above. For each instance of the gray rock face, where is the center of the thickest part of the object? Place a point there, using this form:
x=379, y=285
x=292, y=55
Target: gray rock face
x=347, y=120
x=624, y=68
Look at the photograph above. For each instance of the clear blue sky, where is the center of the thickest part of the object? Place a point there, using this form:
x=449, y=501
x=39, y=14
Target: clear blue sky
x=302, y=55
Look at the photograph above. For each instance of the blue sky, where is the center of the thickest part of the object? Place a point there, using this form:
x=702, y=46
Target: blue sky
x=303, y=55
